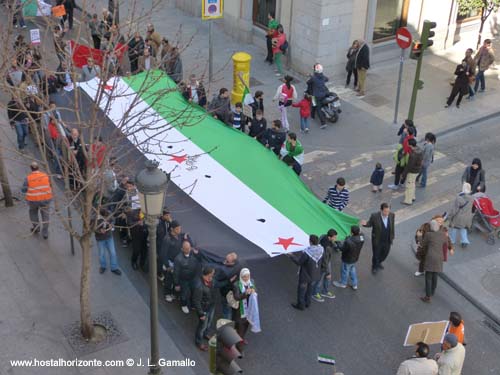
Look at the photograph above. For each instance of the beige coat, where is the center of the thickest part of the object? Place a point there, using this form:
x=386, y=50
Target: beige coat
x=418, y=366
x=451, y=361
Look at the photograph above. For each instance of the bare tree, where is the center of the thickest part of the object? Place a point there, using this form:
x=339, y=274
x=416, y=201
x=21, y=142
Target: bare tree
x=82, y=163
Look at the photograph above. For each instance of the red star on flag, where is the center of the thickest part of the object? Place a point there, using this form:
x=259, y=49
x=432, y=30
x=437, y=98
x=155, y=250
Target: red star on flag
x=108, y=87
x=286, y=242
x=179, y=159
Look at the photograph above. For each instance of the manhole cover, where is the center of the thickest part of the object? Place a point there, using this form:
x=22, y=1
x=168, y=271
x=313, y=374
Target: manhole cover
x=491, y=281
x=376, y=100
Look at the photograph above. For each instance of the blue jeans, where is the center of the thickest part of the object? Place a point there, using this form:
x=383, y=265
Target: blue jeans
x=463, y=235
x=22, y=133
x=203, y=326
x=304, y=123
x=108, y=245
x=348, y=271
x=321, y=286
x=471, y=91
x=423, y=176
x=480, y=78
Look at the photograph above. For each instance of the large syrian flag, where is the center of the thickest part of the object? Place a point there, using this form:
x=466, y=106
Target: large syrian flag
x=230, y=174
x=36, y=8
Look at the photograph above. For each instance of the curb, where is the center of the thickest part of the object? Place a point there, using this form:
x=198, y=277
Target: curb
x=480, y=306
x=462, y=126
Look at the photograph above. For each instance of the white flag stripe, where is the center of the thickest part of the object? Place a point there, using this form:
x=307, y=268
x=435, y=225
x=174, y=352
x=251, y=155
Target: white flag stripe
x=239, y=207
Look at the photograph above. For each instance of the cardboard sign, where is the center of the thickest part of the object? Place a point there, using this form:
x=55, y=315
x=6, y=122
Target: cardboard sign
x=247, y=111
x=35, y=37
x=427, y=332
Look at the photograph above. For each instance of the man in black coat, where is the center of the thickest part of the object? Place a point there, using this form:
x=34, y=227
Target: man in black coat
x=274, y=138
x=329, y=243
x=362, y=64
x=187, y=268
x=309, y=262
x=382, y=224
x=350, y=255
x=169, y=249
x=204, y=297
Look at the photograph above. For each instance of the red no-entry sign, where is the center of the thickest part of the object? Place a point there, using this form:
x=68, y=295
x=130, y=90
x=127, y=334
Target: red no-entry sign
x=403, y=37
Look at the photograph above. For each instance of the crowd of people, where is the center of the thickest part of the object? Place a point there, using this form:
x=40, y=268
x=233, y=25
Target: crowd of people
x=199, y=279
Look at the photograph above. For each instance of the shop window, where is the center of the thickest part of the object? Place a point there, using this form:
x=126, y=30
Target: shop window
x=390, y=15
x=261, y=9
x=468, y=14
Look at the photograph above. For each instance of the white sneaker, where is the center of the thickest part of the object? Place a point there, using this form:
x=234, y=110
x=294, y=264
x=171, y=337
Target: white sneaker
x=393, y=187
x=354, y=287
x=169, y=298
x=419, y=273
x=339, y=285
x=185, y=309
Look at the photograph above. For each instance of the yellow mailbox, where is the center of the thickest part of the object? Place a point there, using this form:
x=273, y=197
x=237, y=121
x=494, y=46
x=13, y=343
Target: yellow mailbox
x=241, y=72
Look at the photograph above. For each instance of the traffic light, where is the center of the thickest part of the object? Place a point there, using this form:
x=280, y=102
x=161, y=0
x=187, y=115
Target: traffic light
x=416, y=50
x=428, y=33
x=227, y=338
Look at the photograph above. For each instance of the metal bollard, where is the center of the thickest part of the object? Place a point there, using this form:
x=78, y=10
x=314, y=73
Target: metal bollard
x=212, y=353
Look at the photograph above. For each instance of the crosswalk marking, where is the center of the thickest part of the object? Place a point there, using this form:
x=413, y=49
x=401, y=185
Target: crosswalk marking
x=364, y=181
x=314, y=155
x=407, y=213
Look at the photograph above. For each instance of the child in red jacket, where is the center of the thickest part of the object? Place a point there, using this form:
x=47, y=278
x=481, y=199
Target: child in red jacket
x=305, y=112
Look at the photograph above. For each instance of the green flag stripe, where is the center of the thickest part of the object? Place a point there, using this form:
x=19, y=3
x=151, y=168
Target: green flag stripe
x=244, y=157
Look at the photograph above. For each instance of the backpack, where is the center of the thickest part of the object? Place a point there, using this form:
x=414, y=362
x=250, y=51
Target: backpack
x=284, y=47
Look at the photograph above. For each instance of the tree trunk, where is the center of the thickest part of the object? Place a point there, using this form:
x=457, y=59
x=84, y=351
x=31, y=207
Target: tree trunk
x=483, y=21
x=87, y=326
x=4, y=181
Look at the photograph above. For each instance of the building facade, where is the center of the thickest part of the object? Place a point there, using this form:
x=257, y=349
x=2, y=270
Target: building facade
x=323, y=30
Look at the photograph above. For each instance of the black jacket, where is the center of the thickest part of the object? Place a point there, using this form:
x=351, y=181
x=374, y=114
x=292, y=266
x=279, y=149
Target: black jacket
x=162, y=229
x=328, y=247
x=15, y=112
x=316, y=86
x=257, y=104
x=351, y=57
x=362, y=59
x=204, y=296
x=273, y=139
x=186, y=268
x=352, y=248
x=258, y=128
x=479, y=180
x=462, y=81
x=309, y=271
x=171, y=247
x=375, y=222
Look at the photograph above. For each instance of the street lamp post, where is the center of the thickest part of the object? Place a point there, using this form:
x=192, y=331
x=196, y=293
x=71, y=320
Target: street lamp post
x=151, y=185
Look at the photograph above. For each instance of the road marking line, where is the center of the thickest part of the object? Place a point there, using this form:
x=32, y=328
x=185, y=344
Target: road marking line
x=407, y=213
x=314, y=155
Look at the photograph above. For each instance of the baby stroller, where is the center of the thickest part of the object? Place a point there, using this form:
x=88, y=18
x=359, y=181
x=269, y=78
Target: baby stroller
x=486, y=218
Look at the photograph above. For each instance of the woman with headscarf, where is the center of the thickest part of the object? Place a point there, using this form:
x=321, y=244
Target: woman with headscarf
x=243, y=288
x=461, y=215
x=475, y=175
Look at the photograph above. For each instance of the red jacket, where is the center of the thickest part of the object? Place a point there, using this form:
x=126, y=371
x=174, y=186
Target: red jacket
x=54, y=134
x=305, y=107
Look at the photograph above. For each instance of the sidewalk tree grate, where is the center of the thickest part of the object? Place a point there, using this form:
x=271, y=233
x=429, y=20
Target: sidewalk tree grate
x=254, y=82
x=376, y=100
x=114, y=335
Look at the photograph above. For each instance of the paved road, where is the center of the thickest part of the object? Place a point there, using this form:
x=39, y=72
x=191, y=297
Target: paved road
x=364, y=330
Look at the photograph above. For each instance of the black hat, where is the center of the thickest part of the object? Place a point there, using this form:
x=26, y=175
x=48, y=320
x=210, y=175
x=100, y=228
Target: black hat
x=165, y=211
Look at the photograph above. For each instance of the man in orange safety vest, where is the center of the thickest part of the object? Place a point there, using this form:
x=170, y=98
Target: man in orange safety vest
x=38, y=195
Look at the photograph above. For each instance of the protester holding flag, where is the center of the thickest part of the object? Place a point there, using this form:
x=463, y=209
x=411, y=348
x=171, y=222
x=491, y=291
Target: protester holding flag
x=274, y=138
x=292, y=153
x=242, y=291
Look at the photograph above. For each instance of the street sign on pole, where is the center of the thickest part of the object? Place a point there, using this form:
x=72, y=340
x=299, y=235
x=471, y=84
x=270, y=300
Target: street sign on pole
x=403, y=39
x=211, y=9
